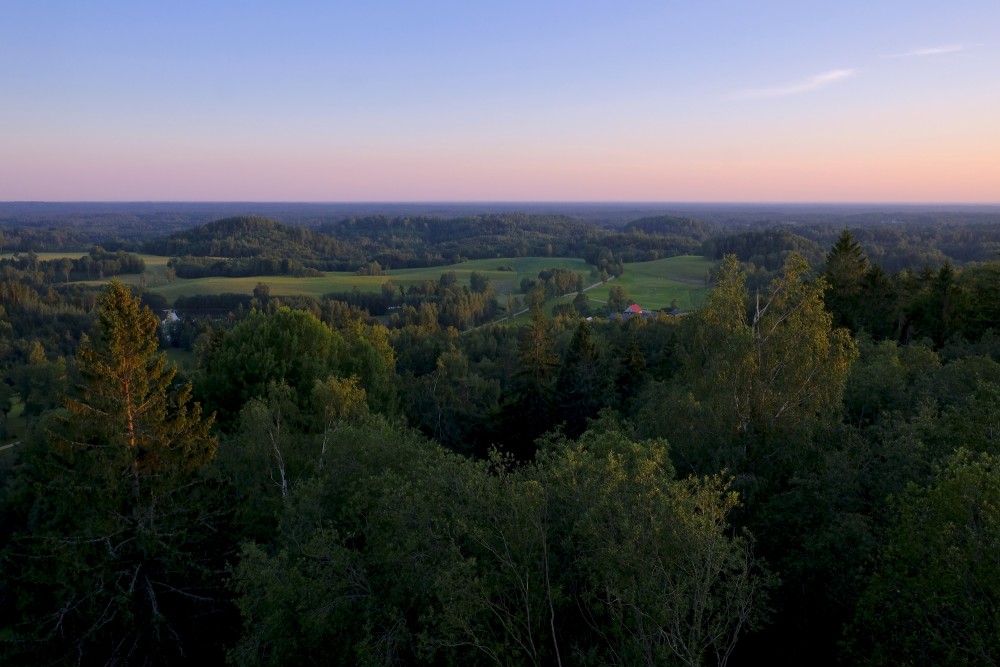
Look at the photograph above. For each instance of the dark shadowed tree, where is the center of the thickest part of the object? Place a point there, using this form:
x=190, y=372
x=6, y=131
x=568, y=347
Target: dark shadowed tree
x=534, y=386
x=618, y=299
x=580, y=387
x=110, y=560
x=846, y=265
x=935, y=597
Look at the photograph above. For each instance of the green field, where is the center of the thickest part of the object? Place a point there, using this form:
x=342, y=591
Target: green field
x=156, y=267
x=655, y=285
x=152, y=261
x=652, y=285
x=505, y=282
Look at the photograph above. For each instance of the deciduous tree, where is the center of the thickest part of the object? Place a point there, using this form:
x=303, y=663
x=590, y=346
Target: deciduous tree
x=761, y=372
x=935, y=597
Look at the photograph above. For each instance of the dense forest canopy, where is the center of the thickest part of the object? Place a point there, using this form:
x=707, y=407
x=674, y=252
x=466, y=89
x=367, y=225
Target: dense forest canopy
x=401, y=235
x=802, y=470
x=247, y=236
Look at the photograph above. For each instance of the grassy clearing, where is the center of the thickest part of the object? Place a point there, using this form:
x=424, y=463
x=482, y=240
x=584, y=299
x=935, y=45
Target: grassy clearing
x=505, y=282
x=685, y=268
x=151, y=260
x=280, y=285
x=653, y=285
x=156, y=268
x=657, y=284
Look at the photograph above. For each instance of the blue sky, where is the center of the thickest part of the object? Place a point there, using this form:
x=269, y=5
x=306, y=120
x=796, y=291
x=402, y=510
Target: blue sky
x=408, y=101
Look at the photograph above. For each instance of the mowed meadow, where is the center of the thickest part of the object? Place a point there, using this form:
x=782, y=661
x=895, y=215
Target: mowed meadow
x=681, y=281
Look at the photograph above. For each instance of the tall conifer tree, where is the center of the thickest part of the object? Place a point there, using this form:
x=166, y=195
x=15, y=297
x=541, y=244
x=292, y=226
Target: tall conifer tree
x=111, y=559
x=846, y=266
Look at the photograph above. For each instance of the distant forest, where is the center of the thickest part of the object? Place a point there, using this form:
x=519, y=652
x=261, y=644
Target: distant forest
x=804, y=470
x=294, y=238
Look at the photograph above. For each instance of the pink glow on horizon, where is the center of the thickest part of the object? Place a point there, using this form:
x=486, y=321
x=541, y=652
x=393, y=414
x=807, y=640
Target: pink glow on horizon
x=861, y=167
x=651, y=102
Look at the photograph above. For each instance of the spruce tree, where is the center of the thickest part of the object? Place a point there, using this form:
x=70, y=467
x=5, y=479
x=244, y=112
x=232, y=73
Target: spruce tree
x=579, y=387
x=846, y=265
x=111, y=563
x=532, y=397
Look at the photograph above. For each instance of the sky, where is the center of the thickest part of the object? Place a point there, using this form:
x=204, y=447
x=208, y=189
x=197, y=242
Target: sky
x=369, y=100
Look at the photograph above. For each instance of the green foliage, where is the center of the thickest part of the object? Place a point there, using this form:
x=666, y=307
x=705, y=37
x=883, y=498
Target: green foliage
x=823, y=531
x=768, y=248
x=478, y=282
x=402, y=553
x=759, y=376
x=288, y=346
x=534, y=387
x=846, y=266
x=352, y=572
x=109, y=560
x=97, y=264
x=975, y=424
x=581, y=387
x=41, y=383
x=372, y=360
x=560, y=282
x=353, y=540
x=659, y=575
x=34, y=310
x=934, y=304
x=888, y=378
x=127, y=399
x=252, y=246
x=935, y=597
x=618, y=299
x=297, y=349
x=426, y=241
x=690, y=229
x=981, y=308
x=453, y=404
x=581, y=304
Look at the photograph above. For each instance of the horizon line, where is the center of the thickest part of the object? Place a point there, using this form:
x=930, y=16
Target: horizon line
x=596, y=202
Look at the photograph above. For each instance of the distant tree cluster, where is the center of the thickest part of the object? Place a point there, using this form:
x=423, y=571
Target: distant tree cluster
x=97, y=264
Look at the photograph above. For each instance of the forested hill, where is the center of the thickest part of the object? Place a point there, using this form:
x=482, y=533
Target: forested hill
x=297, y=238
x=426, y=241
x=767, y=248
x=249, y=236
x=412, y=240
x=437, y=230
x=672, y=225
x=361, y=243
x=355, y=243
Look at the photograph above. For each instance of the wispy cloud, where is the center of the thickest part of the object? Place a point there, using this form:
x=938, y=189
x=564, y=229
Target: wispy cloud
x=796, y=87
x=932, y=51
